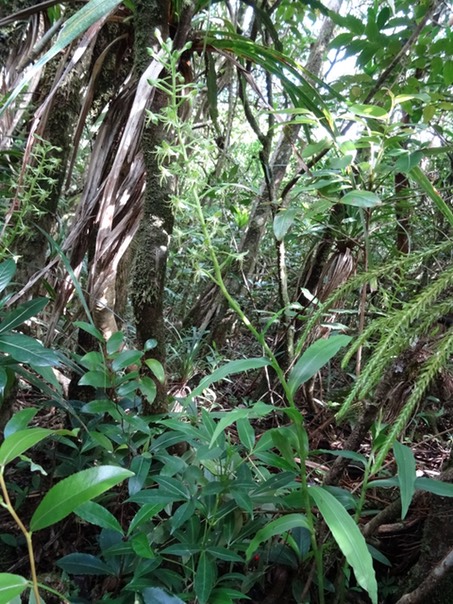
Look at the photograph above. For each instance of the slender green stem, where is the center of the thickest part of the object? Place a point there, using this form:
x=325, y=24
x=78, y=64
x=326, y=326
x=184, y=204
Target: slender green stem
x=27, y=534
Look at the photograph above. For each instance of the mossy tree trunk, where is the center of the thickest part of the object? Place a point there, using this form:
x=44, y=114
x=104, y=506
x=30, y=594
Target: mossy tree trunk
x=152, y=240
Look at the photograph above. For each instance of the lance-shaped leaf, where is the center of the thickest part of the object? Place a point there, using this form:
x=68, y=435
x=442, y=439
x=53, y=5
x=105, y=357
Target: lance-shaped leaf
x=24, y=349
x=7, y=272
x=21, y=314
x=406, y=475
x=19, y=442
x=276, y=527
x=315, y=357
x=11, y=586
x=73, y=491
x=349, y=539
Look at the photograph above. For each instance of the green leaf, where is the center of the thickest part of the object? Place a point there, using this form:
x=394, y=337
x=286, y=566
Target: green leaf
x=96, y=514
x=349, y=539
x=95, y=379
x=27, y=350
x=84, y=564
x=157, y=369
x=378, y=113
x=222, y=553
x=140, y=466
x=425, y=184
x=20, y=420
x=437, y=487
x=69, y=493
x=361, y=199
x=407, y=161
x=246, y=433
x=172, y=487
x=205, y=577
x=148, y=388
x=19, y=442
x=276, y=527
x=21, y=314
x=7, y=272
x=126, y=358
x=72, y=29
x=147, y=511
x=142, y=547
x=228, y=369
x=11, y=586
x=91, y=329
x=406, y=475
x=315, y=357
x=283, y=221
x=156, y=595
x=347, y=454
x=448, y=72
x=114, y=342
x=260, y=409
x=93, y=361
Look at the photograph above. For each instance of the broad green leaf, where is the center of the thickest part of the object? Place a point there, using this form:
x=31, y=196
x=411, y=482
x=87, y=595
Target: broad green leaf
x=437, y=487
x=315, y=357
x=407, y=161
x=27, y=350
x=114, y=342
x=361, y=199
x=181, y=515
x=276, y=527
x=148, y=388
x=96, y=514
x=157, y=369
x=69, y=493
x=378, y=113
x=349, y=539
x=95, y=379
x=228, y=369
x=91, y=329
x=84, y=564
x=72, y=29
x=126, y=358
x=11, y=586
x=19, y=442
x=260, y=409
x=406, y=475
x=7, y=272
x=448, y=72
x=156, y=595
x=20, y=420
x=205, y=577
x=283, y=221
x=94, y=361
x=21, y=314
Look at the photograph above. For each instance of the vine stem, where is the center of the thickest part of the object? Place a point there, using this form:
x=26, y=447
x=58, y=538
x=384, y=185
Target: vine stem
x=27, y=534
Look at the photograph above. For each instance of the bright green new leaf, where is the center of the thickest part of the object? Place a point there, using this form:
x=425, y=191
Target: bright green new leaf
x=315, y=357
x=19, y=442
x=228, y=369
x=283, y=221
x=24, y=349
x=377, y=113
x=142, y=547
x=361, y=199
x=7, y=272
x=349, y=539
x=205, y=577
x=11, y=586
x=19, y=315
x=276, y=527
x=69, y=493
x=157, y=369
x=72, y=29
x=96, y=514
x=406, y=475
